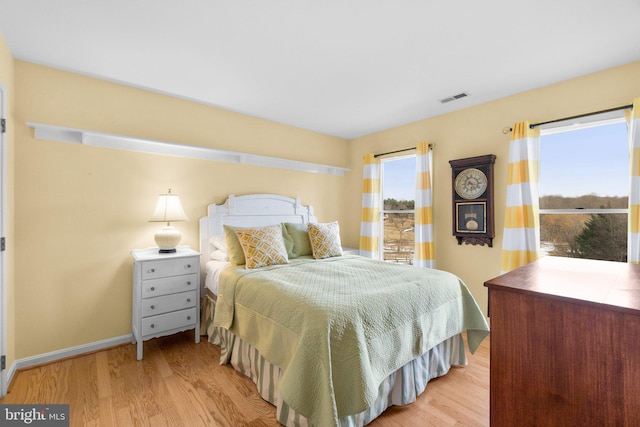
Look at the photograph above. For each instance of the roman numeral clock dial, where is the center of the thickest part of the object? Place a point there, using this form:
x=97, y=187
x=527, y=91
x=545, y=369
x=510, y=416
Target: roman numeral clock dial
x=472, y=190
x=470, y=183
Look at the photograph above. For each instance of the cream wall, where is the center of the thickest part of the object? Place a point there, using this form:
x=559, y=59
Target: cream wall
x=6, y=78
x=477, y=131
x=80, y=210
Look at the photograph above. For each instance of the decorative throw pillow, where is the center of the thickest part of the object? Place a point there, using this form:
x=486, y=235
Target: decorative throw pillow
x=300, y=235
x=262, y=246
x=236, y=255
x=288, y=241
x=325, y=240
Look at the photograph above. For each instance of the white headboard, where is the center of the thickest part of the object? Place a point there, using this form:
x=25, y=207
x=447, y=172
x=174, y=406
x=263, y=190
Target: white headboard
x=253, y=210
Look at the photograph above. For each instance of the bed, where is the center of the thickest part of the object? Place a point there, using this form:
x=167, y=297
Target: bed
x=330, y=339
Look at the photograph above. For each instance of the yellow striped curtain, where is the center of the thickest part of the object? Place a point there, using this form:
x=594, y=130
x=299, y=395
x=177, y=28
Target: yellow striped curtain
x=633, y=241
x=371, y=205
x=521, y=240
x=424, y=255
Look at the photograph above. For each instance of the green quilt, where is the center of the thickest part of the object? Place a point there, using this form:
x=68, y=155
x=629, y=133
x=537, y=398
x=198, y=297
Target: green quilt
x=337, y=327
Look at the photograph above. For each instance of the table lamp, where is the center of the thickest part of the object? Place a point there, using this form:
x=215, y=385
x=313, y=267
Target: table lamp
x=168, y=210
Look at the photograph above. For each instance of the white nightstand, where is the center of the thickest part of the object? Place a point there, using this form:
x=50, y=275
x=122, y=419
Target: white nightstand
x=166, y=294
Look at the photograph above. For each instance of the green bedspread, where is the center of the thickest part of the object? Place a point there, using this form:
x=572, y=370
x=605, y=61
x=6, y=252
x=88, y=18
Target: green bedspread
x=337, y=327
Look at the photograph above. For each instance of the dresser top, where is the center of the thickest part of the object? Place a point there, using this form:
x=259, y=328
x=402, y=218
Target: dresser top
x=153, y=254
x=614, y=284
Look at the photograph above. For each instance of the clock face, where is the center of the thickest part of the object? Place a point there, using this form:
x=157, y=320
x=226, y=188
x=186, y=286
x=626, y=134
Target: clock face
x=470, y=183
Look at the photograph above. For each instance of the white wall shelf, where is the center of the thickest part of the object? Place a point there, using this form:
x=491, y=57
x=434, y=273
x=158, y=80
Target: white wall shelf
x=99, y=139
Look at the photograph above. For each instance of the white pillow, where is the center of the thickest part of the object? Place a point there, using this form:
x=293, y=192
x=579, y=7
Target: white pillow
x=218, y=248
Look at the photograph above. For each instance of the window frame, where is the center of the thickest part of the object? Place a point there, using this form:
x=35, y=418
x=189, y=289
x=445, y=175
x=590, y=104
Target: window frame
x=570, y=125
x=383, y=211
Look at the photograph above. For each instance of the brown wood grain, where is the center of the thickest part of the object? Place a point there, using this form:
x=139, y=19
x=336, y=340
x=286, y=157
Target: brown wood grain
x=180, y=383
x=562, y=353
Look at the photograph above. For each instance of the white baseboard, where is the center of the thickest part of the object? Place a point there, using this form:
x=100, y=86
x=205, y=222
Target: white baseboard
x=9, y=376
x=64, y=353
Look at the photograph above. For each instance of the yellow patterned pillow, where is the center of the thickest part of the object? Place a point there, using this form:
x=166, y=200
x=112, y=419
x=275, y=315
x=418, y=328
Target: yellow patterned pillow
x=325, y=240
x=262, y=246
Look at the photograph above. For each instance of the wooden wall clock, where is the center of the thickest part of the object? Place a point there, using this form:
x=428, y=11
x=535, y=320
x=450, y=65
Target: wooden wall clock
x=472, y=189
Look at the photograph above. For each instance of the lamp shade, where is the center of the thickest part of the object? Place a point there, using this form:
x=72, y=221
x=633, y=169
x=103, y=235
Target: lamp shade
x=168, y=209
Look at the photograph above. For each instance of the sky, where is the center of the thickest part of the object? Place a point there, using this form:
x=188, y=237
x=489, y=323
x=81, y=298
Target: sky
x=586, y=161
x=399, y=178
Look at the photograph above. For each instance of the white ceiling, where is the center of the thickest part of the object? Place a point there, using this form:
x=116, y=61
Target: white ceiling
x=340, y=67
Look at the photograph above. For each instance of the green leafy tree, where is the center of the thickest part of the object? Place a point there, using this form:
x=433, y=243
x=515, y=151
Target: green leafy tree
x=604, y=237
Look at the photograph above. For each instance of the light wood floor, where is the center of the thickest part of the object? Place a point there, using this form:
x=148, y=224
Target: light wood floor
x=179, y=383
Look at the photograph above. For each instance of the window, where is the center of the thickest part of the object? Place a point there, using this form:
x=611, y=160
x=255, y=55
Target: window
x=584, y=189
x=398, y=194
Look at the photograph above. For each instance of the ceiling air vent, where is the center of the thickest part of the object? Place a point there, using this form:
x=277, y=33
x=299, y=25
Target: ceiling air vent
x=454, y=97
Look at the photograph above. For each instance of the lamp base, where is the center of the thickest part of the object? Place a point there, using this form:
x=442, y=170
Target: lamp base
x=167, y=238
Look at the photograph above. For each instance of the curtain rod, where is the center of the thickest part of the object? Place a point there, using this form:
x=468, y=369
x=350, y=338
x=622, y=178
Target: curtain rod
x=400, y=151
x=624, y=107
x=531, y=126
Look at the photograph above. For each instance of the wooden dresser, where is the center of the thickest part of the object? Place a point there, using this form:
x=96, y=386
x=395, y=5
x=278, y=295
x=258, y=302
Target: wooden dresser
x=565, y=344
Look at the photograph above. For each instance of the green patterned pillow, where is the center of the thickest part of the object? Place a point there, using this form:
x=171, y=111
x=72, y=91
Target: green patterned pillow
x=262, y=246
x=325, y=240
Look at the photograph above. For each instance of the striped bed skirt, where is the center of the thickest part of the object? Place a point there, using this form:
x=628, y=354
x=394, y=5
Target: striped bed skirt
x=400, y=388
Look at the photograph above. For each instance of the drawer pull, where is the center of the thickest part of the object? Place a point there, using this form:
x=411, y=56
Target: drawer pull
x=153, y=288
x=153, y=326
x=188, y=283
x=188, y=317
x=187, y=266
x=188, y=300
x=153, y=270
x=153, y=307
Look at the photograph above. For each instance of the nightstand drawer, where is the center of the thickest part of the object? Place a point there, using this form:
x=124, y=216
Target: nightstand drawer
x=169, y=267
x=169, y=285
x=166, y=322
x=167, y=303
